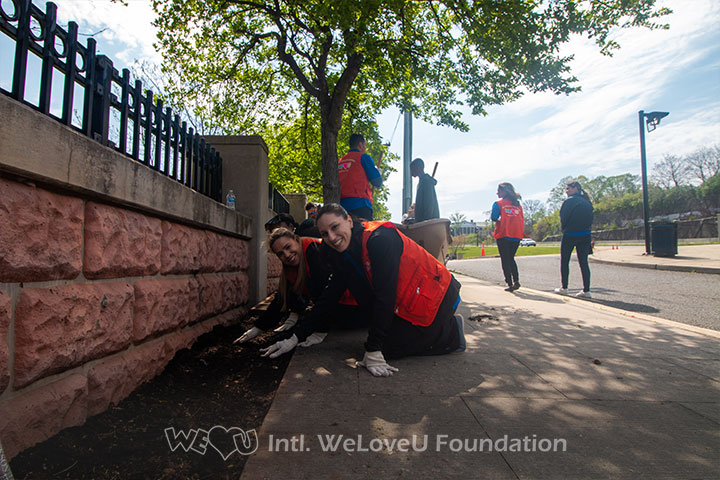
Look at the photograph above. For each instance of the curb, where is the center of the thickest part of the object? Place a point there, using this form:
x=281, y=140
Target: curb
x=658, y=266
x=637, y=316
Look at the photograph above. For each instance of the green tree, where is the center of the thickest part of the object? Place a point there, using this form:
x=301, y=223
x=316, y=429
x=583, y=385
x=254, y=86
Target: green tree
x=257, y=57
x=533, y=211
x=456, y=219
x=557, y=194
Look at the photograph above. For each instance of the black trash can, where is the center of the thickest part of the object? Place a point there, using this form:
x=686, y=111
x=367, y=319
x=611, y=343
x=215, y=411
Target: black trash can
x=664, y=239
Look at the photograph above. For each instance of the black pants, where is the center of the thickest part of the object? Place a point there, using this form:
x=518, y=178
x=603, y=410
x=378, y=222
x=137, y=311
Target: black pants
x=365, y=213
x=507, y=249
x=582, y=247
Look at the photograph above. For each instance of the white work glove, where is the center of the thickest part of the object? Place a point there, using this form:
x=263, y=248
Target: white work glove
x=280, y=348
x=376, y=364
x=289, y=323
x=249, y=335
x=313, y=339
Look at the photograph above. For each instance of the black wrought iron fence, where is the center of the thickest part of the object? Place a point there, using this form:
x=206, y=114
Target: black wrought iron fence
x=98, y=101
x=276, y=201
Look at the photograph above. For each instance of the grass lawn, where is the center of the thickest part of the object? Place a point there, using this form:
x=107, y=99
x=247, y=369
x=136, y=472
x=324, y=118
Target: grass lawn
x=474, y=252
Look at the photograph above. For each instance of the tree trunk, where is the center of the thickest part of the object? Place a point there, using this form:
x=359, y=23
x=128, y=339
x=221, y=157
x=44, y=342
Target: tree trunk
x=330, y=122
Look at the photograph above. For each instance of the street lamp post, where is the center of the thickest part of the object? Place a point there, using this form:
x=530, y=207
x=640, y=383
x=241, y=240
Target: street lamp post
x=653, y=120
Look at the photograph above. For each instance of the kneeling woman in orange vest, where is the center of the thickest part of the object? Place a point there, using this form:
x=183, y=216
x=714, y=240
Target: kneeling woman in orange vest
x=410, y=296
x=298, y=286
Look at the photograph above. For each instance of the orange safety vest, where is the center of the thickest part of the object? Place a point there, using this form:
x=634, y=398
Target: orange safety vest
x=422, y=280
x=511, y=222
x=353, y=179
x=347, y=298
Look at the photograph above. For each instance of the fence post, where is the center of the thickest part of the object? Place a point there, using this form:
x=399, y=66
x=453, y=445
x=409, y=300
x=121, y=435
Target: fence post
x=245, y=171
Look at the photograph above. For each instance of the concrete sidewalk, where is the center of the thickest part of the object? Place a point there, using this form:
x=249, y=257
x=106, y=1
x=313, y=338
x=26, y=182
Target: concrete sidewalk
x=690, y=258
x=618, y=397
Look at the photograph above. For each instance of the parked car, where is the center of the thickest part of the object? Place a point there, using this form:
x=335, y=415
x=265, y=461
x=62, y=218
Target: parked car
x=528, y=242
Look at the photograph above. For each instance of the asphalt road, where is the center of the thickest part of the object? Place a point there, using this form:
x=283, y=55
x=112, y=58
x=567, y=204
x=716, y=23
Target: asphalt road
x=690, y=298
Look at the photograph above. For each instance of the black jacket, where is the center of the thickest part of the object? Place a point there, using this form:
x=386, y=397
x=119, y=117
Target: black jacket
x=576, y=214
x=385, y=248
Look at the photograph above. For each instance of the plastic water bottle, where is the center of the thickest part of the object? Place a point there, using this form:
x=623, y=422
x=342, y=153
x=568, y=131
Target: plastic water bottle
x=230, y=200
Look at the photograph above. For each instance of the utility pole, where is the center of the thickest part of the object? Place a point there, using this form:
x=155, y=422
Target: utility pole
x=407, y=158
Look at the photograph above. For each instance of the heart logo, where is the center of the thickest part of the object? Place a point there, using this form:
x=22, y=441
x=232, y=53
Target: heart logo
x=223, y=440
x=246, y=442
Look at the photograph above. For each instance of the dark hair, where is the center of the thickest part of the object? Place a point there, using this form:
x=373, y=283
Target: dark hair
x=309, y=205
x=299, y=285
x=285, y=218
x=418, y=162
x=508, y=191
x=331, y=208
x=583, y=193
x=355, y=139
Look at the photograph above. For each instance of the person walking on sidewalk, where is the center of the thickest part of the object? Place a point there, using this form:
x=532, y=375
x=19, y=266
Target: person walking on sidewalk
x=576, y=217
x=358, y=174
x=507, y=213
x=411, y=296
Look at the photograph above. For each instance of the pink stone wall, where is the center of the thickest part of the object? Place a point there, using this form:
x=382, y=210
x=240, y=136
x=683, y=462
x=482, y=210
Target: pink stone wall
x=121, y=293
x=120, y=243
x=274, y=268
x=5, y=312
x=41, y=234
x=61, y=327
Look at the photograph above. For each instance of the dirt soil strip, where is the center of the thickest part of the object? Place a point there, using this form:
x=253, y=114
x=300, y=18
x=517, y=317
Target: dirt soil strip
x=215, y=384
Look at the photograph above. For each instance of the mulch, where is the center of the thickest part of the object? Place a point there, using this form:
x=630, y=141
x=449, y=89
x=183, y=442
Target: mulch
x=214, y=384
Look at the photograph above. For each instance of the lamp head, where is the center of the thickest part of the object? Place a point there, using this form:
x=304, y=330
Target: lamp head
x=653, y=119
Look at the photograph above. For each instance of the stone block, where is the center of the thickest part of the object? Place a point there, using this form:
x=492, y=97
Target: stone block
x=120, y=243
x=234, y=253
x=213, y=295
x=163, y=305
x=5, y=314
x=182, y=248
x=36, y=415
x=64, y=326
x=239, y=289
x=274, y=265
x=41, y=234
x=272, y=285
x=212, y=255
x=113, y=379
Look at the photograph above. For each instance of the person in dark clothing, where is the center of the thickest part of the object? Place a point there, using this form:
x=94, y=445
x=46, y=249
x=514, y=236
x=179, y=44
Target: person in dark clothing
x=426, y=204
x=303, y=278
x=281, y=220
x=307, y=227
x=507, y=213
x=411, y=296
x=576, y=217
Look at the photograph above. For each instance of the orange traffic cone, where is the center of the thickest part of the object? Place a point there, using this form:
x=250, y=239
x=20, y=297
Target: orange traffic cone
x=482, y=252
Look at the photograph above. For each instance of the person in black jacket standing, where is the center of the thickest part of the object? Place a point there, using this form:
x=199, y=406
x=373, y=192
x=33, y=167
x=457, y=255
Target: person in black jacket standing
x=576, y=217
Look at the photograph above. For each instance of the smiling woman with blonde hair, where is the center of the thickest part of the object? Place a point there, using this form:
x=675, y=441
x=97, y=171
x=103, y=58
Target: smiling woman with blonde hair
x=411, y=297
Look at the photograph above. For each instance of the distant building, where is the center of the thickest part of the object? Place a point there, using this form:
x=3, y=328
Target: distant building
x=469, y=228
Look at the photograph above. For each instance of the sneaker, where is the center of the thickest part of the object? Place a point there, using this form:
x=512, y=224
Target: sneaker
x=583, y=294
x=561, y=291
x=509, y=288
x=516, y=285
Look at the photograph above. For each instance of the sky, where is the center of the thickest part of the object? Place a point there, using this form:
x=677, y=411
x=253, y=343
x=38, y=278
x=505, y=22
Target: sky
x=541, y=138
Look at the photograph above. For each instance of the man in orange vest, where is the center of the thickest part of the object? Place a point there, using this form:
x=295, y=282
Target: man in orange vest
x=358, y=174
